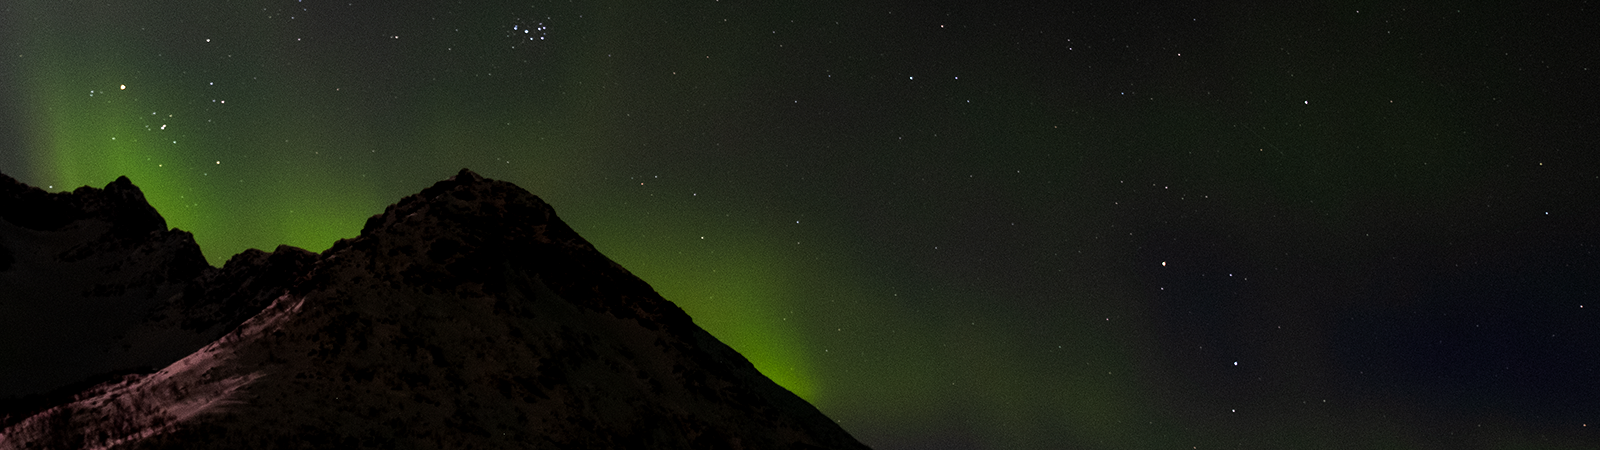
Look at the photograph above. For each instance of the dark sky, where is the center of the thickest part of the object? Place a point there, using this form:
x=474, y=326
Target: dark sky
x=1354, y=225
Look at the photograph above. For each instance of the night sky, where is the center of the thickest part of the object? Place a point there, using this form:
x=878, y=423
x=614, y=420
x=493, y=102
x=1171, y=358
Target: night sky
x=1357, y=225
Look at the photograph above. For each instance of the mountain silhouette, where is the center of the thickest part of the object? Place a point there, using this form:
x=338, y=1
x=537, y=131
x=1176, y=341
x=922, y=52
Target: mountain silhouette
x=465, y=316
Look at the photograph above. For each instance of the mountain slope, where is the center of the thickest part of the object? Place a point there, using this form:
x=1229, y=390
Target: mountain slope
x=93, y=261
x=466, y=316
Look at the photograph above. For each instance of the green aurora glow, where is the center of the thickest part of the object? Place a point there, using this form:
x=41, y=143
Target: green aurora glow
x=945, y=227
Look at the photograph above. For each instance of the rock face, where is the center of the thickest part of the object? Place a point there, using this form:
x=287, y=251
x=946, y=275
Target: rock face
x=466, y=316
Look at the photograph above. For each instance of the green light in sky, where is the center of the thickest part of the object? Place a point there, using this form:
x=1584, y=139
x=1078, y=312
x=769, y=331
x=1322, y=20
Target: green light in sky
x=740, y=306
x=735, y=294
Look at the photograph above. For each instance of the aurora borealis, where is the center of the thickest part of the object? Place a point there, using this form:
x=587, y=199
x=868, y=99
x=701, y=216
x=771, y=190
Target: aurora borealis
x=947, y=225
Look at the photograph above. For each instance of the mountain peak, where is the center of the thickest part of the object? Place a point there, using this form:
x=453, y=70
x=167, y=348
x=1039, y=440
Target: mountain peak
x=119, y=202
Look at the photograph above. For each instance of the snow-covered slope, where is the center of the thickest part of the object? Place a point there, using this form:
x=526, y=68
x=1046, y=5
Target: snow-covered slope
x=466, y=316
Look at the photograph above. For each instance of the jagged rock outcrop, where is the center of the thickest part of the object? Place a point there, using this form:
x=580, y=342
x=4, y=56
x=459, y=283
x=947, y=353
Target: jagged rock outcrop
x=466, y=316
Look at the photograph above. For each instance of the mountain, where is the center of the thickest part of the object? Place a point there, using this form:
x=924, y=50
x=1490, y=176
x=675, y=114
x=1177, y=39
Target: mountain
x=465, y=316
x=76, y=270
